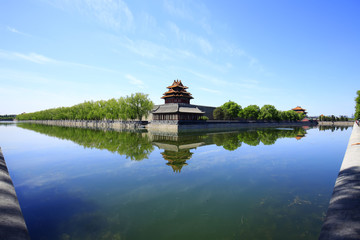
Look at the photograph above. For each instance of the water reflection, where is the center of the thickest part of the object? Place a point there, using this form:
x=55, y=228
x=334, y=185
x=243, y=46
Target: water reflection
x=227, y=189
x=333, y=128
x=138, y=145
x=134, y=145
x=177, y=149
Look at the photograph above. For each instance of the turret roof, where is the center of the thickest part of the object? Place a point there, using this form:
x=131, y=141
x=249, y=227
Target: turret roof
x=177, y=83
x=298, y=108
x=177, y=90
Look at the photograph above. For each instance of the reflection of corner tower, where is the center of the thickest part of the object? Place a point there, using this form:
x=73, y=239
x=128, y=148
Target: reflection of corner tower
x=177, y=159
x=177, y=105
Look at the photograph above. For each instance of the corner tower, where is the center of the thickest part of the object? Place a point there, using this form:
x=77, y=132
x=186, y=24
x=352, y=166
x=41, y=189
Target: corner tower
x=177, y=93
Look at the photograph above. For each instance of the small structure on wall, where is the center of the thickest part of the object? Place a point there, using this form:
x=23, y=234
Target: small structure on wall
x=299, y=109
x=177, y=105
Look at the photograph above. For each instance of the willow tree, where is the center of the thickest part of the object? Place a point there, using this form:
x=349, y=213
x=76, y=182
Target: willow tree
x=138, y=106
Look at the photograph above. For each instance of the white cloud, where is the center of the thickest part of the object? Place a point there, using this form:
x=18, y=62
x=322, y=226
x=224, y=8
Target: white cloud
x=187, y=37
x=174, y=28
x=252, y=61
x=177, y=8
x=33, y=57
x=13, y=30
x=41, y=59
x=147, y=49
x=194, y=11
x=204, y=45
x=112, y=13
x=210, y=90
x=148, y=21
x=212, y=79
x=135, y=81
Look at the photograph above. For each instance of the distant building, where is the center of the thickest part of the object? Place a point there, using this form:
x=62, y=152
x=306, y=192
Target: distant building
x=177, y=105
x=299, y=109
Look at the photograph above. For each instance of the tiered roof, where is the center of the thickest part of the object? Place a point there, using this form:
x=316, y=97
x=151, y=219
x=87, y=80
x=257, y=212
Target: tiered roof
x=177, y=90
x=298, y=109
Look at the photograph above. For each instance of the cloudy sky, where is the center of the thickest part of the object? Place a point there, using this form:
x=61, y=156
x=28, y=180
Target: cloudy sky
x=286, y=53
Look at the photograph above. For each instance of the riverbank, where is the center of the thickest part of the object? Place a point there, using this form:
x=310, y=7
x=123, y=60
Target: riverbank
x=342, y=123
x=92, y=124
x=343, y=215
x=12, y=223
x=169, y=126
x=214, y=125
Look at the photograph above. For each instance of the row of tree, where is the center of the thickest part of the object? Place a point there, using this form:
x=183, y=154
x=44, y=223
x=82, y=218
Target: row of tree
x=131, y=107
x=233, y=111
x=7, y=117
x=333, y=118
x=357, y=105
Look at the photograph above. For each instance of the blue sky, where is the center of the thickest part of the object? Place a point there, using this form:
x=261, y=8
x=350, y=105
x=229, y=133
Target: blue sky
x=286, y=53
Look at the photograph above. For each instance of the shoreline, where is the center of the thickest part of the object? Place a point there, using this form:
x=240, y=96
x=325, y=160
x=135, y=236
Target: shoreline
x=173, y=127
x=12, y=223
x=342, y=219
x=178, y=126
x=342, y=123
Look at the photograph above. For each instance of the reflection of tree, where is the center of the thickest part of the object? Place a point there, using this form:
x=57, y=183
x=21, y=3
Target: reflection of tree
x=333, y=128
x=135, y=145
x=250, y=137
x=138, y=146
x=177, y=159
x=228, y=141
x=268, y=136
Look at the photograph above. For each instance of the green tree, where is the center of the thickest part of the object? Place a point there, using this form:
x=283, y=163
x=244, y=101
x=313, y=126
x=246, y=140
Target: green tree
x=231, y=110
x=357, y=105
x=218, y=113
x=268, y=112
x=122, y=105
x=251, y=112
x=204, y=118
x=139, y=105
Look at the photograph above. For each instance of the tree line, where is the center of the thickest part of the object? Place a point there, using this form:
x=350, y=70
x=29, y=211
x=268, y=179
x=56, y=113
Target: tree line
x=333, y=118
x=357, y=105
x=233, y=111
x=135, y=106
x=7, y=117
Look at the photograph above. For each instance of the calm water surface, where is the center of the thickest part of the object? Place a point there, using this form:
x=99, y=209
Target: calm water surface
x=249, y=184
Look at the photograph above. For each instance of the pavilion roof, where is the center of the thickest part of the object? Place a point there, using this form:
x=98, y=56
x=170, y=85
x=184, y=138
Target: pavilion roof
x=177, y=108
x=178, y=95
x=298, y=108
x=177, y=83
x=177, y=90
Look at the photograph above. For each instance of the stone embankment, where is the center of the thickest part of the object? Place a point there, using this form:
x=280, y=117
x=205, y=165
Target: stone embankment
x=342, y=123
x=12, y=224
x=214, y=125
x=93, y=124
x=343, y=216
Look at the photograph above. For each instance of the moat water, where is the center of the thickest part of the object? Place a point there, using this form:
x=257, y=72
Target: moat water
x=263, y=183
